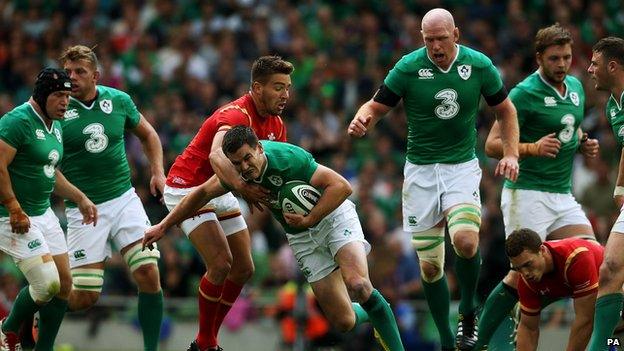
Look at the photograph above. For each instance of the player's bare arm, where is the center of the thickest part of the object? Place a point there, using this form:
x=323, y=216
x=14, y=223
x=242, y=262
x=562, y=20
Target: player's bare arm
x=581, y=329
x=253, y=194
x=618, y=193
x=528, y=333
x=189, y=205
x=588, y=147
x=366, y=118
x=336, y=190
x=66, y=190
x=547, y=146
x=17, y=217
x=153, y=150
x=506, y=115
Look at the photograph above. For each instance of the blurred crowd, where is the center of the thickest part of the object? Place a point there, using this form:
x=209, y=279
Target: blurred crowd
x=180, y=60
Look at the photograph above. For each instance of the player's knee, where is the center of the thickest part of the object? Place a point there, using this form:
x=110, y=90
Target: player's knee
x=43, y=278
x=344, y=322
x=80, y=300
x=220, y=267
x=430, y=272
x=429, y=247
x=242, y=272
x=464, y=222
x=359, y=288
x=608, y=270
x=466, y=244
x=147, y=278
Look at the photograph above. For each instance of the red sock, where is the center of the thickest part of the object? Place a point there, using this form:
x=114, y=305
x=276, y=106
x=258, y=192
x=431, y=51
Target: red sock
x=229, y=295
x=208, y=302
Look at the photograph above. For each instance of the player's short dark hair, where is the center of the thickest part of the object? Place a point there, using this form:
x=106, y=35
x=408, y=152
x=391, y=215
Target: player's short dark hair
x=520, y=240
x=79, y=52
x=552, y=35
x=266, y=66
x=611, y=48
x=238, y=136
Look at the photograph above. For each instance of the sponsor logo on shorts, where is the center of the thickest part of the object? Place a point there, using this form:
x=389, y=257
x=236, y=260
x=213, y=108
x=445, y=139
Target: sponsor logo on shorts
x=34, y=244
x=306, y=272
x=476, y=196
x=80, y=254
x=412, y=220
x=347, y=232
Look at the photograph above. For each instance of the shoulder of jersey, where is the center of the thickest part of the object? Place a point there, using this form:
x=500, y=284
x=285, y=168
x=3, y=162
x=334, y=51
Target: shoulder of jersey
x=108, y=92
x=412, y=62
x=474, y=57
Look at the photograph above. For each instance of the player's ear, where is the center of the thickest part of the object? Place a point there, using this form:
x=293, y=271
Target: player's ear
x=256, y=87
x=456, y=34
x=96, y=75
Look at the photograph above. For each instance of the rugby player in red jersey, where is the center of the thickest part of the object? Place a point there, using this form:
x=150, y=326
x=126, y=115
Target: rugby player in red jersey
x=551, y=270
x=218, y=231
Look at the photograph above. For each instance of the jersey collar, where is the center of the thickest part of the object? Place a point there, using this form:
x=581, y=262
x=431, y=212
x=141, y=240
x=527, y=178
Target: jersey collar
x=452, y=62
x=567, y=89
x=49, y=130
x=618, y=103
x=97, y=96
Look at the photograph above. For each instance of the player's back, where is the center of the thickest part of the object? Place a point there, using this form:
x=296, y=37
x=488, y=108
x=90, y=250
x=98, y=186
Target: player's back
x=192, y=167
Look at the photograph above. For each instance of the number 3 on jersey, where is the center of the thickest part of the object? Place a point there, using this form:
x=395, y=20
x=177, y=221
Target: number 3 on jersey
x=449, y=107
x=98, y=141
x=567, y=133
x=50, y=169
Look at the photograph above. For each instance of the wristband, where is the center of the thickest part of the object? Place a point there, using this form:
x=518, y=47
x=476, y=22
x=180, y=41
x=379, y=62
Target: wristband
x=619, y=190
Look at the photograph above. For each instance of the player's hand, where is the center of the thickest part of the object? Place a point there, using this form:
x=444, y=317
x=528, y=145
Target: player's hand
x=508, y=167
x=18, y=219
x=299, y=221
x=152, y=235
x=88, y=211
x=590, y=147
x=255, y=195
x=359, y=125
x=548, y=146
x=157, y=186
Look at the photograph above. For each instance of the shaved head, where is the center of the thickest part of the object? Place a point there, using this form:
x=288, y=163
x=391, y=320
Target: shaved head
x=440, y=36
x=438, y=17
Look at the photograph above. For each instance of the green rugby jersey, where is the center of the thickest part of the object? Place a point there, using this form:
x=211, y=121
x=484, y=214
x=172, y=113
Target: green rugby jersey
x=543, y=110
x=441, y=106
x=95, y=156
x=285, y=162
x=39, y=149
x=615, y=115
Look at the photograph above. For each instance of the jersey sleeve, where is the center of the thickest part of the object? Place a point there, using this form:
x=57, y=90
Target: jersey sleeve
x=395, y=81
x=581, y=273
x=230, y=116
x=303, y=164
x=530, y=302
x=519, y=99
x=491, y=82
x=13, y=131
x=132, y=113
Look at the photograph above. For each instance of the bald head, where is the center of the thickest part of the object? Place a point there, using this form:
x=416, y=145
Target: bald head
x=438, y=17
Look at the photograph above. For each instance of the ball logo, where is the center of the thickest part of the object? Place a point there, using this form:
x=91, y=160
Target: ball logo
x=298, y=198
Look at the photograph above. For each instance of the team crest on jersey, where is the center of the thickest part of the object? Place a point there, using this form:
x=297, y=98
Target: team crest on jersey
x=574, y=98
x=271, y=136
x=106, y=106
x=57, y=133
x=464, y=71
x=276, y=180
x=71, y=114
x=40, y=134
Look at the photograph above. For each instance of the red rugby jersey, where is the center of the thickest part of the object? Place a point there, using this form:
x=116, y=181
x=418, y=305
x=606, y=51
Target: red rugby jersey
x=192, y=167
x=576, y=261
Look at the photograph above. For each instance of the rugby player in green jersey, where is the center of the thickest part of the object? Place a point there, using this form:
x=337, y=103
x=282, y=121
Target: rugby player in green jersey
x=328, y=243
x=31, y=145
x=441, y=86
x=95, y=161
x=551, y=106
x=607, y=70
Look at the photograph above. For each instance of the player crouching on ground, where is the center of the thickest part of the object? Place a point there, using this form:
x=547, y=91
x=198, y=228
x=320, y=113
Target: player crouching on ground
x=551, y=270
x=328, y=243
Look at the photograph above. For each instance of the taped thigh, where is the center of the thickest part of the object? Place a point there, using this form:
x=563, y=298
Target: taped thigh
x=43, y=278
x=429, y=246
x=463, y=217
x=135, y=257
x=88, y=279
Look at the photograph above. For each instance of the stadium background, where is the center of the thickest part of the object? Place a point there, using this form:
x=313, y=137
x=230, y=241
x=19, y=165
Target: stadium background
x=179, y=60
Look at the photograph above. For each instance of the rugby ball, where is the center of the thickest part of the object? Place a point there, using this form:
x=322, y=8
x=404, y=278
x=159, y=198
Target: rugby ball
x=298, y=197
